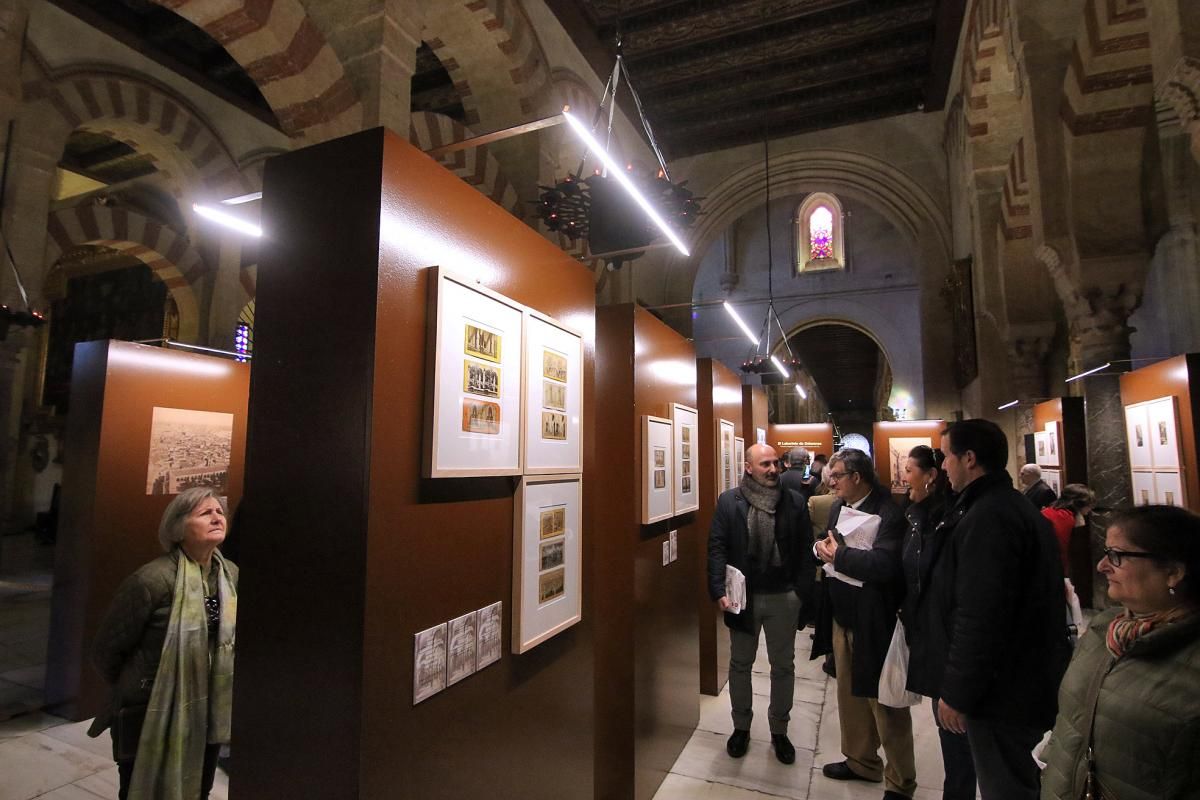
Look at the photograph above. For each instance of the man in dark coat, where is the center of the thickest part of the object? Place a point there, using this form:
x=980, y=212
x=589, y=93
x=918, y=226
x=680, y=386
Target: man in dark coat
x=793, y=478
x=1008, y=644
x=1036, y=489
x=762, y=530
x=856, y=624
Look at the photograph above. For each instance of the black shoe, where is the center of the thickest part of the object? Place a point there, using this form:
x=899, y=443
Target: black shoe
x=890, y=795
x=738, y=743
x=840, y=771
x=783, y=748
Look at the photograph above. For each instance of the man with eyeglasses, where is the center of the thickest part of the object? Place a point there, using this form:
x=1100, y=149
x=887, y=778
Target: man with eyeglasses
x=1000, y=587
x=762, y=530
x=856, y=625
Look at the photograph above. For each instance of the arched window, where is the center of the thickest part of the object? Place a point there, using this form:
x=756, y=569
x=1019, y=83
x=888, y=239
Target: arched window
x=819, y=224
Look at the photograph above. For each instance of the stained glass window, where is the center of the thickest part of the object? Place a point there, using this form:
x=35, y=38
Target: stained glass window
x=820, y=228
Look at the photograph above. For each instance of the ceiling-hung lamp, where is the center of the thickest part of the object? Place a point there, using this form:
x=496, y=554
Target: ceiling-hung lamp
x=228, y=220
x=594, y=209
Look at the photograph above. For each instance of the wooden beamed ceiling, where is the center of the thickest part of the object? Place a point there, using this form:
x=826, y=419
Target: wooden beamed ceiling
x=714, y=74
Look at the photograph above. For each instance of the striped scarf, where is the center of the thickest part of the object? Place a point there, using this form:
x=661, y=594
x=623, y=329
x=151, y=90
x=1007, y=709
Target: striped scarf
x=1127, y=628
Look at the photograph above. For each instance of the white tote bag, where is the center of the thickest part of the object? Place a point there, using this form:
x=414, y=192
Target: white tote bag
x=895, y=673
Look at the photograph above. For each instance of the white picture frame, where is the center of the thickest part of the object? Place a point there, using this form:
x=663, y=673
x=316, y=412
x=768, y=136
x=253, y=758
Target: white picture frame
x=1163, y=433
x=739, y=452
x=547, y=559
x=727, y=469
x=1168, y=489
x=1144, y=492
x=1053, y=479
x=1041, y=444
x=685, y=423
x=462, y=644
x=553, y=370
x=1137, y=434
x=474, y=380
x=657, y=470
x=1053, y=445
x=489, y=630
x=429, y=662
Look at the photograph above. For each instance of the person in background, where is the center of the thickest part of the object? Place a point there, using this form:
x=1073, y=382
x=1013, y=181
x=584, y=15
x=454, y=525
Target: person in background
x=1067, y=513
x=1008, y=644
x=926, y=626
x=819, y=506
x=165, y=647
x=761, y=529
x=1129, y=707
x=795, y=479
x=818, y=472
x=1033, y=487
x=857, y=623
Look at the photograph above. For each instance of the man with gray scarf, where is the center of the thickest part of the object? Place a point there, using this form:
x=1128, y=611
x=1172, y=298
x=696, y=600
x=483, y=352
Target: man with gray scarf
x=763, y=530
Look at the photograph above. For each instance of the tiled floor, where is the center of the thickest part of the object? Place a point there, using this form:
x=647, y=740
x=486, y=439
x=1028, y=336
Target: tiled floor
x=25, y=578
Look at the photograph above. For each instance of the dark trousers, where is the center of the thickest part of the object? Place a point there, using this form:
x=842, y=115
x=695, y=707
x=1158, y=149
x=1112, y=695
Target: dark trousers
x=125, y=770
x=1004, y=763
x=957, y=762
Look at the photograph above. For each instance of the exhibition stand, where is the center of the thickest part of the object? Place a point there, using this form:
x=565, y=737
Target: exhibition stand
x=1059, y=448
x=1161, y=434
x=892, y=442
x=816, y=437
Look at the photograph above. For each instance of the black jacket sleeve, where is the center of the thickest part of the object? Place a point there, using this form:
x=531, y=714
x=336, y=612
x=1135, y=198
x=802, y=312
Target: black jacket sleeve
x=881, y=564
x=718, y=546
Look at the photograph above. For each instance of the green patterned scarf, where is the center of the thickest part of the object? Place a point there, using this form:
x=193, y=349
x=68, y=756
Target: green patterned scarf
x=191, y=703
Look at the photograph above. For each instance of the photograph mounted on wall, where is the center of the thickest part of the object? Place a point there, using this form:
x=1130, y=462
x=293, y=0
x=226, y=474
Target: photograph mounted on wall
x=554, y=425
x=489, y=630
x=552, y=522
x=554, y=366
x=554, y=395
x=188, y=448
x=552, y=585
x=552, y=554
x=481, y=379
x=429, y=662
x=460, y=651
x=480, y=416
x=481, y=343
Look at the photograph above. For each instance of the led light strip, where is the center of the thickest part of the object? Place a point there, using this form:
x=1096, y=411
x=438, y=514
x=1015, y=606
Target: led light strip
x=228, y=220
x=741, y=324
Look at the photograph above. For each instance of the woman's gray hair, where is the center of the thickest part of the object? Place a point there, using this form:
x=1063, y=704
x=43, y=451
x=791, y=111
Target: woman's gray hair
x=172, y=526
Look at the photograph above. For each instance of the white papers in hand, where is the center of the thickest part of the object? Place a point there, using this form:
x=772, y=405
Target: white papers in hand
x=735, y=589
x=859, y=530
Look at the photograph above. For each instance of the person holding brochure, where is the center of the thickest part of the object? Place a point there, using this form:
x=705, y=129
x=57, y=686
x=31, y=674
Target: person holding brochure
x=758, y=544
x=864, y=584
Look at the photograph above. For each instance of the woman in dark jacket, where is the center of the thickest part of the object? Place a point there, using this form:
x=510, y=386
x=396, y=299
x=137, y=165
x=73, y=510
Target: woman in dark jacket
x=166, y=649
x=1129, y=706
x=925, y=631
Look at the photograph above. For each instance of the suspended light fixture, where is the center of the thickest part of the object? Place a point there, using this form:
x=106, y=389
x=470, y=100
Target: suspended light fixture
x=228, y=220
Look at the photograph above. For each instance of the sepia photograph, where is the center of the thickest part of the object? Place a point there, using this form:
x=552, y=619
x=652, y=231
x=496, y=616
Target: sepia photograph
x=687, y=449
x=686, y=434
x=480, y=416
x=188, y=448
x=481, y=379
x=554, y=425
x=429, y=662
x=488, y=631
x=552, y=585
x=552, y=554
x=660, y=457
x=1162, y=432
x=482, y=343
x=687, y=484
x=686, y=468
x=660, y=479
x=552, y=522
x=554, y=395
x=461, y=648
x=898, y=450
x=1141, y=439
x=554, y=366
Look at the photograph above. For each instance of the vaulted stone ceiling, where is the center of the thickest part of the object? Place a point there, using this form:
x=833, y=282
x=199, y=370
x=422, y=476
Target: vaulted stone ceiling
x=719, y=73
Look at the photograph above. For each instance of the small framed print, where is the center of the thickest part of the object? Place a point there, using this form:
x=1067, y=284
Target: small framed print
x=1164, y=441
x=739, y=452
x=429, y=662
x=473, y=380
x=1144, y=492
x=552, y=438
x=728, y=471
x=489, y=627
x=657, y=470
x=1052, y=444
x=547, y=574
x=1137, y=426
x=1041, y=443
x=685, y=423
x=461, y=647
x=1168, y=489
x=1053, y=479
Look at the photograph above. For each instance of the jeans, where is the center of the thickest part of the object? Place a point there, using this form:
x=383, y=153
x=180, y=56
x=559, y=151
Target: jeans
x=957, y=762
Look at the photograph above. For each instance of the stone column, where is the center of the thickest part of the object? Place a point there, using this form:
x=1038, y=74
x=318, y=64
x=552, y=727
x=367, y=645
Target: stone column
x=1177, y=250
x=1028, y=346
x=11, y=374
x=1175, y=49
x=730, y=276
x=228, y=296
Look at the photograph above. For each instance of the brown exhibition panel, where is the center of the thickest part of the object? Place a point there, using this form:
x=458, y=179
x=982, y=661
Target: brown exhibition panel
x=353, y=551
x=647, y=685
x=1176, y=377
x=754, y=414
x=816, y=437
x=719, y=396
x=885, y=432
x=1068, y=414
x=109, y=524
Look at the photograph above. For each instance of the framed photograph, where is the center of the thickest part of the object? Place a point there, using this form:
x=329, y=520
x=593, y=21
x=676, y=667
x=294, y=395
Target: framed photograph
x=657, y=470
x=739, y=452
x=1137, y=427
x=473, y=380
x=685, y=422
x=429, y=662
x=1144, y=492
x=461, y=647
x=489, y=628
x=728, y=471
x=1053, y=479
x=188, y=448
x=1168, y=489
x=1053, y=445
x=1041, y=446
x=552, y=439
x=898, y=450
x=1162, y=433
x=547, y=573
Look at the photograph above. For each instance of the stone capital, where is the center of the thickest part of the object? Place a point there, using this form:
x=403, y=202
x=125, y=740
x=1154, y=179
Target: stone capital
x=1179, y=89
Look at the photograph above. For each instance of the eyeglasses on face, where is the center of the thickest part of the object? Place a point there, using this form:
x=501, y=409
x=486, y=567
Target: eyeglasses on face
x=1115, y=557
x=834, y=477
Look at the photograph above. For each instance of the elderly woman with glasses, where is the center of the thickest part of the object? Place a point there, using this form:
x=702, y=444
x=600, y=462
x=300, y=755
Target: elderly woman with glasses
x=1128, y=724
x=166, y=649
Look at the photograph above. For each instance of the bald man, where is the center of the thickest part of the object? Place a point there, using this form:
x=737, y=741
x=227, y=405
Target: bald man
x=763, y=530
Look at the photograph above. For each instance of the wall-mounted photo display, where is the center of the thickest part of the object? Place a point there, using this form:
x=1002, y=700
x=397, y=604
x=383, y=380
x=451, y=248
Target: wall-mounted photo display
x=728, y=470
x=489, y=630
x=1152, y=431
x=685, y=422
x=1053, y=442
x=1168, y=489
x=1164, y=440
x=1041, y=444
x=553, y=435
x=1143, y=488
x=657, y=470
x=461, y=647
x=739, y=454
x=898, y=449
x=547, y=574
x=429, y=662
x=188, y=448
x=473, y=380
x=1137, y=427
x=1053, y=479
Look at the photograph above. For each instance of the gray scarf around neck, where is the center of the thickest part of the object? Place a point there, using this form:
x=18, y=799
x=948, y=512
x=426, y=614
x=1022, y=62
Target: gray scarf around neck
x=764, y=550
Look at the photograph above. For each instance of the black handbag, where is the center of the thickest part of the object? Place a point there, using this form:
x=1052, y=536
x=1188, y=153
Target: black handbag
x=127, y=729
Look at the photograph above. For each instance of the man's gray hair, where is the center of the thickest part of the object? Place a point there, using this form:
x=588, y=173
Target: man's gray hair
x=799, y=455
x=174, y=520
x=1033, y=470
x=855, y=460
